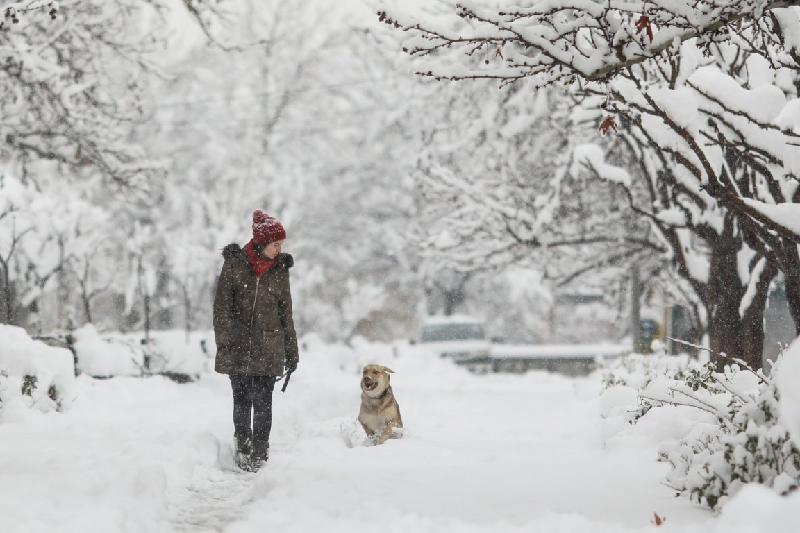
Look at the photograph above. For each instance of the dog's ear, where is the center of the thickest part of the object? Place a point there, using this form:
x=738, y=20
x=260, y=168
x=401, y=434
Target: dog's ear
x=387, y=370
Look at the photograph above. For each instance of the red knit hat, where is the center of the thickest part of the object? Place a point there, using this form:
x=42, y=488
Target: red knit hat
x=266, y=229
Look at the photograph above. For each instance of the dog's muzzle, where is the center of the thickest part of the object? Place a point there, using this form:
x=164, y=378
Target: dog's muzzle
x=368, y=384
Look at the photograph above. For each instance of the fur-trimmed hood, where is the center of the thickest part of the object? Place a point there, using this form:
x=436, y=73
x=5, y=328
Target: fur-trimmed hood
x=234, y=251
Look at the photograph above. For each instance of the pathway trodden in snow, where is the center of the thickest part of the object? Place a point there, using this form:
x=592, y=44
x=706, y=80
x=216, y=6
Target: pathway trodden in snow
x=480, y=453
x=214, y=499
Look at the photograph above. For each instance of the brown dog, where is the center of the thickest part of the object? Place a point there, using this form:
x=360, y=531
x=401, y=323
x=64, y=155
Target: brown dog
x=380, y=414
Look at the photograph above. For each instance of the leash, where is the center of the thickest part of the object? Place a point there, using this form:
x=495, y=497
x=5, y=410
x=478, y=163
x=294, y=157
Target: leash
x=286, y=382
x=286, y=376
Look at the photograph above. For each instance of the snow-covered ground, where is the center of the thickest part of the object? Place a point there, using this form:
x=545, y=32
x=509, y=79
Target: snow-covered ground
x=480, y=453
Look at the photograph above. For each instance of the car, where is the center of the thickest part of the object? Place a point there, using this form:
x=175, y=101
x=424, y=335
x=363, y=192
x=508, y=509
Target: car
x=461, y=338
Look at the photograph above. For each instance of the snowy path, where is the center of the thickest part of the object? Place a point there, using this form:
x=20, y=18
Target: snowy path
x=496, y=453
x=213, y=500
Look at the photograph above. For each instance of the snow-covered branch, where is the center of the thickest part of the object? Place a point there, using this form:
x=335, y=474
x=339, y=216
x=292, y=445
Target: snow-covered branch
x=559, y=40
x=708, y=80
x=11, y=12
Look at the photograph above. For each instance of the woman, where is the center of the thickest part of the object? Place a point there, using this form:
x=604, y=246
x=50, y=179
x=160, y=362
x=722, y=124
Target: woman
x=254, y=332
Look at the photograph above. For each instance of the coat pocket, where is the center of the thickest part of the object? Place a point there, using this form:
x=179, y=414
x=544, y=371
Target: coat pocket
x=274, y=344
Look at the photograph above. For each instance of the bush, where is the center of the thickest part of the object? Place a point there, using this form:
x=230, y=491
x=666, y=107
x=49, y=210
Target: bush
x=168, y=354
x=745, y=443
x=101, y=358
x=33, y=374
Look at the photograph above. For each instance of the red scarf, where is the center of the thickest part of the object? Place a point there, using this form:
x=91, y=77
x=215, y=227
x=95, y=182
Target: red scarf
x=258, y=263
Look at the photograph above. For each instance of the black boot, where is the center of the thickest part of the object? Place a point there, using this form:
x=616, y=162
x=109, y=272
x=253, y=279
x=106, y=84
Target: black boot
x=244, y=449
x=260, y=455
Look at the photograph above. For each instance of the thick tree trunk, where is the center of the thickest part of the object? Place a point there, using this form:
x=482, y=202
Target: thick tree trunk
x=791, y=277
x=753, y=318
x=732, y=336
x=730, y=332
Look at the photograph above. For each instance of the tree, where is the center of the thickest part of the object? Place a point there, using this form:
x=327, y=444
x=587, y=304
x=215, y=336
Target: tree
x=90, y=256
x=73, y=86
x=308, y=130
x=14, y=197
x=714, y=107
x=31, y=254
x=48, y=241
x=500, y=189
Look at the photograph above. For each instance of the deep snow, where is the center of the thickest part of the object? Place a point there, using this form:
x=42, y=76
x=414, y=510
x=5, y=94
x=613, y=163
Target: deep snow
x=480, y=453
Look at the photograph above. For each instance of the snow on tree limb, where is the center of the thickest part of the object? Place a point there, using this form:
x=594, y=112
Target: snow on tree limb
x=556, y=39
x=13, y=11
x=682, y=70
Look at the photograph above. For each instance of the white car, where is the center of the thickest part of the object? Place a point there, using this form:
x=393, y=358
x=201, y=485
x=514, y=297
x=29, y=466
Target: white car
x=459, y=337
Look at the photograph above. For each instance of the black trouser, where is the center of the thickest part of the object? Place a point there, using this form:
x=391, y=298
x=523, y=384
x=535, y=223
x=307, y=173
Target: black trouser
x=252, y=395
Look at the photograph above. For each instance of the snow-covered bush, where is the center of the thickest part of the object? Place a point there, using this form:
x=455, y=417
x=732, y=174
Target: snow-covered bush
x=100, y=357
x=33, y=374
x=171, y=352
x=635, y=372
x=744, y=440
x=168, y=353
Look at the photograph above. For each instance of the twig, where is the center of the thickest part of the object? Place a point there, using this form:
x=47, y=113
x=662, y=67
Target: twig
x=722, y=355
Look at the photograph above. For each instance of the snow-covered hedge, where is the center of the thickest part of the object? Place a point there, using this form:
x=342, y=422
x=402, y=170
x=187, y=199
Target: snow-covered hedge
x=743, y=438
x=33, y=374
x=123, y=354
x=171, y=352
x=100, y=357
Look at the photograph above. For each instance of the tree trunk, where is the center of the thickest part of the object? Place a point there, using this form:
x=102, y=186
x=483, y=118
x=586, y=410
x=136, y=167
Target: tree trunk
x=62, y=291
x=791, y=277
x=187, y=311
x=147, y=318
x=452, y=299
x=87, y=305
x=636, y=298
x=731, y=333
x=8, y=305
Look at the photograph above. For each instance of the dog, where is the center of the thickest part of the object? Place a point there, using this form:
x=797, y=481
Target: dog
x=379, y=414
